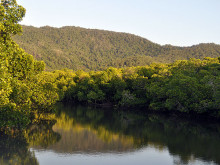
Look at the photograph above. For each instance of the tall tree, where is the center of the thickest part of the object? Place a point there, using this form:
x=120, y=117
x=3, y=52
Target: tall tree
x=17, y=68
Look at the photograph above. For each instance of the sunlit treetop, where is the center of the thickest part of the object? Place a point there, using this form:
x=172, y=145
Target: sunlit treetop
x=10, y=15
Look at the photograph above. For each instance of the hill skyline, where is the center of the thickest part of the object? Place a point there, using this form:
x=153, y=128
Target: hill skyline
x=91, y=49
x=107, y=30
x=179, y=23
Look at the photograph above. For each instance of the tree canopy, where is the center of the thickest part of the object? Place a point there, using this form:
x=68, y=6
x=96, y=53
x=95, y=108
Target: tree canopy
x=26, y=90
x=18, y=71
x=89, y=49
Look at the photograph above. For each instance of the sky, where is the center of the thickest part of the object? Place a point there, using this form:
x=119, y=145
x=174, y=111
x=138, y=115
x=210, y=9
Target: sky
x=175, y=22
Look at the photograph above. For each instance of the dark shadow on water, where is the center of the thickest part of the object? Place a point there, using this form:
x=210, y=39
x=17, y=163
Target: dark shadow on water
x=129, y=131
x=15, y=146
x=89, y=130
x=14, y=150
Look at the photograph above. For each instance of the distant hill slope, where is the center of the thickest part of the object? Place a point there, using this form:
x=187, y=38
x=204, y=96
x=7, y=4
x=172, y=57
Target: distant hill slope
x=79, y=48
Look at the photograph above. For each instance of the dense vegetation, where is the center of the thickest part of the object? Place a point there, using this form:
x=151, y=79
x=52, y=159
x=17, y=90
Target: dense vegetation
x=26, y=90
x=187, y=86
x=78, y=48
x=21, y=93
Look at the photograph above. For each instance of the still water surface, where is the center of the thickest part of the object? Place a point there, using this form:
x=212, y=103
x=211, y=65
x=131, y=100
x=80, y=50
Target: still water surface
x=84, y=135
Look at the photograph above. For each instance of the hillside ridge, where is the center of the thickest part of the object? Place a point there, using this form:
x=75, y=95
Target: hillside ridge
x=91, y=49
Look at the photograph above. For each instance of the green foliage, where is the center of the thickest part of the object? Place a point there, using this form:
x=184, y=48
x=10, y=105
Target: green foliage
x=20, y=83
x=78, y=48
x=4, y=85
x=95, y=96
x=190, y=86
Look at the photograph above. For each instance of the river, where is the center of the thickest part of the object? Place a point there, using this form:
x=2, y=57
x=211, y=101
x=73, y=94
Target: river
x=85, y=135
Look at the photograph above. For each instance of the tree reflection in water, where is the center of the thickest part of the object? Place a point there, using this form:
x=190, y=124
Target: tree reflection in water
x=15, y=147
x=120, y=131
x=14, y=150
x=86, y=130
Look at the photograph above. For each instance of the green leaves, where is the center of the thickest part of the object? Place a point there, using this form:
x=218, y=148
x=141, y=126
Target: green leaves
x=18, y=71
x=11, y=14
x=186, y=86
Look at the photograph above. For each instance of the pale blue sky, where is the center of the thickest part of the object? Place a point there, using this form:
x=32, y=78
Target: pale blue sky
x=176, y=22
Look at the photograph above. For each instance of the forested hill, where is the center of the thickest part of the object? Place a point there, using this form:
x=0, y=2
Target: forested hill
x=87, y=49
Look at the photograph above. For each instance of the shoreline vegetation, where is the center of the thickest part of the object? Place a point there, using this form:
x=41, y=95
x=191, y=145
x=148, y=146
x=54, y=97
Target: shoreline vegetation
x=186, y=86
